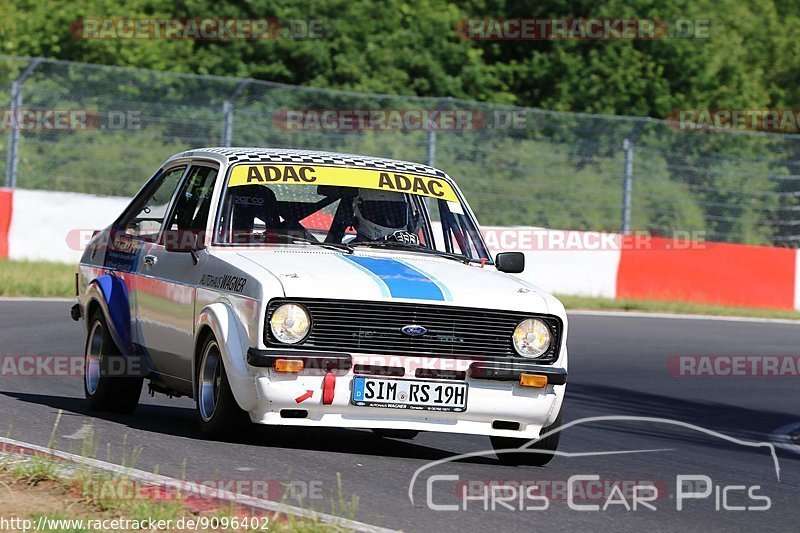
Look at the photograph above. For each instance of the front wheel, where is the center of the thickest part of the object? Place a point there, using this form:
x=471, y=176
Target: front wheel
x=218, y=414
x=542, y=451
x=104, y=390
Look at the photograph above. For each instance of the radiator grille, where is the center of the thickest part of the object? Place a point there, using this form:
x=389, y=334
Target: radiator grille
x=374, y=327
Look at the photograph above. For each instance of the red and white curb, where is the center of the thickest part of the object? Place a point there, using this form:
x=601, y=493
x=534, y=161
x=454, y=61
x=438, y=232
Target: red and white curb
x=16, y=451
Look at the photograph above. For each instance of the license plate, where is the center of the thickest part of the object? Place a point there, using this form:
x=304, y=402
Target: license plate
x=409, y=394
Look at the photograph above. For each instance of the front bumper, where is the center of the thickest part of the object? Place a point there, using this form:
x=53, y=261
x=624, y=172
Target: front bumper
x=495, y=394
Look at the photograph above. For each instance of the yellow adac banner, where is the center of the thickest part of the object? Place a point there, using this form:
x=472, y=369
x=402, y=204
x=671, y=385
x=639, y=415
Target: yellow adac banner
x=365, y=178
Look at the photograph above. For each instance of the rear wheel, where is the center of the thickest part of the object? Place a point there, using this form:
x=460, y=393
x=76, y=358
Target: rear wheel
x=104, y=390
x=218, y=414
x=542, y=451
x=396, y=433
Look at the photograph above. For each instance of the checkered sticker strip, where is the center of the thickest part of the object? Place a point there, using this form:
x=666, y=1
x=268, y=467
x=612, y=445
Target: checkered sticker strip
x=307, y=157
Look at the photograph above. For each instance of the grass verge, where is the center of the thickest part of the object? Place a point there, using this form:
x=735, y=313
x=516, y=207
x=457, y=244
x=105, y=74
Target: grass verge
x=59, y=496
x=36, y=491
x=36, y=278
x=575, y=303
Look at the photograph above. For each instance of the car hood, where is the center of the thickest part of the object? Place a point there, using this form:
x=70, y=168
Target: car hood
x=397, y=276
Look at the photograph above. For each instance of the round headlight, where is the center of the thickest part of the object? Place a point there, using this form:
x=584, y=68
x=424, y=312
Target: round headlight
x=290, y=323
x=532, y=338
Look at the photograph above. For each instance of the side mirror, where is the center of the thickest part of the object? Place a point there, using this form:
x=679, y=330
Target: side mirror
x=184, y=242
x=510, y=262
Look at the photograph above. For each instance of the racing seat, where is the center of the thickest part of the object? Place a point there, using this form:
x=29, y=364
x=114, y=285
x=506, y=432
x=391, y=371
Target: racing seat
x=252, y=203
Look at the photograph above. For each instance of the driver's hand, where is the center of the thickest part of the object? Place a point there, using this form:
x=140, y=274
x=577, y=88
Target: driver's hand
x=404, y=237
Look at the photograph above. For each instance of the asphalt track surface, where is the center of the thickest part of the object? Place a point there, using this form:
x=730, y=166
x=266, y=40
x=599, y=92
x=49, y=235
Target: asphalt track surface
x=617, y=367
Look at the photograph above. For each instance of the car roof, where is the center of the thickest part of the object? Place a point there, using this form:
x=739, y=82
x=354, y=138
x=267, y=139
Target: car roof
x=231, y=155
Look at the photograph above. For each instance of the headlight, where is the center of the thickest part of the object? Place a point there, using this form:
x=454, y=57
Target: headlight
x=290, y=323
x=532, y=338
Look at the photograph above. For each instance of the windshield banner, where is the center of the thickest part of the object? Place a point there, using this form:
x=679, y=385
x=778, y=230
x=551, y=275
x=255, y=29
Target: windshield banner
x=348, y=177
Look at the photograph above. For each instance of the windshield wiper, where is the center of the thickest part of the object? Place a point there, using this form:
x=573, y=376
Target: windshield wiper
x=415, y=248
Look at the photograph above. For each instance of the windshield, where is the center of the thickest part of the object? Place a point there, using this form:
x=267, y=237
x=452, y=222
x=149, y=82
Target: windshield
x=347, y=207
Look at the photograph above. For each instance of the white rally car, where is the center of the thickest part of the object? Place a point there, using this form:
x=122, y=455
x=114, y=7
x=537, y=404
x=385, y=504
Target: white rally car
x=288, y=287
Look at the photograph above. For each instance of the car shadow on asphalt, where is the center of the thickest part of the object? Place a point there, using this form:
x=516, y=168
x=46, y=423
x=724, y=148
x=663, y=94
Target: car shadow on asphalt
x=180, y=422
x=589, y=400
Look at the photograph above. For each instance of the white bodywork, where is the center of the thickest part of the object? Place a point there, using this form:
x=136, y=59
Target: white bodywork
x=170, y=311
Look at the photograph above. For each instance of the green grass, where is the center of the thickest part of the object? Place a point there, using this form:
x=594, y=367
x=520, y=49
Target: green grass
x=36, y=470
x=36, y=278
x=575, y=303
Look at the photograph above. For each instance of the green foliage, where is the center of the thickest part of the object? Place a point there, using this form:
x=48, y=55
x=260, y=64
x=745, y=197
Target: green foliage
x=96, y=162
x=413, y=47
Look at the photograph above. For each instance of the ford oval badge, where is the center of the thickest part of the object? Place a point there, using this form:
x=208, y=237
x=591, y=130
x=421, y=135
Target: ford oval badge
x=413, y=330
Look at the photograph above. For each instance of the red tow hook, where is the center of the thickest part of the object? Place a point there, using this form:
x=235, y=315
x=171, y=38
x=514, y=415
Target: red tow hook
x=328, y=386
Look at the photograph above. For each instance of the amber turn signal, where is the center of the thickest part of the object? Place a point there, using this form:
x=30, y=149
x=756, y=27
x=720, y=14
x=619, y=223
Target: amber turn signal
x=289, y=365
x=533, y=380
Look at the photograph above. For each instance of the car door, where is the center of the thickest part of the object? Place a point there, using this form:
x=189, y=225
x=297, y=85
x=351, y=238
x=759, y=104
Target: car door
x=135, y=230
x=168, y=281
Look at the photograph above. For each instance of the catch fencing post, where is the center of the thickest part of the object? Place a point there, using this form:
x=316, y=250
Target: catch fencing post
x=16, y=105
x=227, y=113
x=431, y=126
x=431, y=145
x=627, y=186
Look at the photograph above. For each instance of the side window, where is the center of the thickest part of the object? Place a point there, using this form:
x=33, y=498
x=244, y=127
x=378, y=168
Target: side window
x=452, y=230
x=194, y=200
x=440, y=240
x=146, y=221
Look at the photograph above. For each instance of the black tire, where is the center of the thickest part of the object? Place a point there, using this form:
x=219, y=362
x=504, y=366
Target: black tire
x=104, y=390
x=218, y=414
x=396, y=433
x=547, y=445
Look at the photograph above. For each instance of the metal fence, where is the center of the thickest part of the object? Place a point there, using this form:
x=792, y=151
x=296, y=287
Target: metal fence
x=517, y=166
